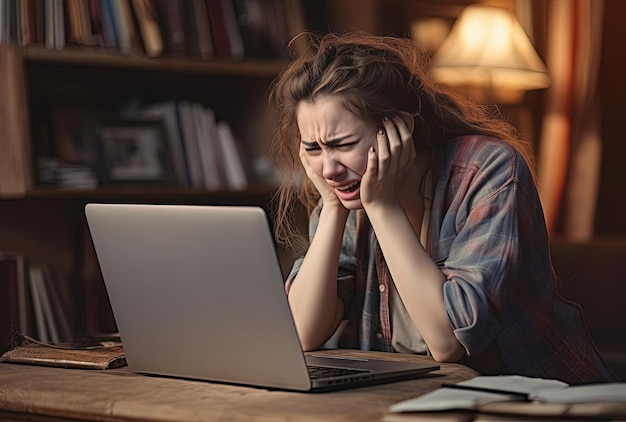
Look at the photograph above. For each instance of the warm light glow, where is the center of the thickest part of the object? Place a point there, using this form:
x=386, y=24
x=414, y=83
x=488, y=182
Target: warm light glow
x=488, y=47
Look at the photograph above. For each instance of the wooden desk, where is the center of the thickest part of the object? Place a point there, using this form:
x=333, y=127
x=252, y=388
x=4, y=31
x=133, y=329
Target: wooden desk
x=121, y=395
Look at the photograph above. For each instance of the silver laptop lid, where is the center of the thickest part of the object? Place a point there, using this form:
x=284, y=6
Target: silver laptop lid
x=185, y=282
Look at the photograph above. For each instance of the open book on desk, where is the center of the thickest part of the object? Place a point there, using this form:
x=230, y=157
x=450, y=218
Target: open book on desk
x=518, y=395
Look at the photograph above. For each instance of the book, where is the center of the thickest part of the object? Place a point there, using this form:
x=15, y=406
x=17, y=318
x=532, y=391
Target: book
x=73, y=20
x=253, y=27
x=200, y=18
x=49, y=317
x=232, y=29
x=68, y=355
x=57, y=306
x=219, y=32
x=125, y=31
x=207, y=146
x=276, y=27
x=171, y=16
x=233, y=164
x=189, y=138
x=518, y=395
x=4, y=21
x=13, y=21
x=94, y=8
x=149, y=29
x=28, y=22
x=49, y=23
x=79, y=22
x=40, y=319
x=108, y=24
x=58, y=17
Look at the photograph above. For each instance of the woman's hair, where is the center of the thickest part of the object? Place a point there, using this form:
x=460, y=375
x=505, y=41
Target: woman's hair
x=375, y=77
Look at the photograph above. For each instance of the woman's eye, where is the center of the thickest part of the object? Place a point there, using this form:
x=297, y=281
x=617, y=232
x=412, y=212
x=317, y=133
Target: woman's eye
x=346, y=145
x=312, y=148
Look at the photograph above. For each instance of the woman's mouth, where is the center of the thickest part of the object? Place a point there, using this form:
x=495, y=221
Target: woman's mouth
x=349, y=192
x=349, y=188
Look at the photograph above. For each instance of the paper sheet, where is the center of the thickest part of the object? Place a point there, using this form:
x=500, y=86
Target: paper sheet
x=454, y=399
x=539, y=390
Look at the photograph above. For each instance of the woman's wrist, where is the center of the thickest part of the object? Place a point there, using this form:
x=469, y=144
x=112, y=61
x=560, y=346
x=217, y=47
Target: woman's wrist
x=335, y=211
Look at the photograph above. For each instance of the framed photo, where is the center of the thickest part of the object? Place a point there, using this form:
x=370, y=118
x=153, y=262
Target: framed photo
x=134, y=151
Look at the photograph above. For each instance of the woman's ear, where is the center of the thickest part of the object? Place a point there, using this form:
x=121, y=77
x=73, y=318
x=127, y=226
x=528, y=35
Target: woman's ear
x=408, y=120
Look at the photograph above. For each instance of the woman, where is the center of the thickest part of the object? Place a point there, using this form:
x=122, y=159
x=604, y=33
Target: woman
x=426, y=231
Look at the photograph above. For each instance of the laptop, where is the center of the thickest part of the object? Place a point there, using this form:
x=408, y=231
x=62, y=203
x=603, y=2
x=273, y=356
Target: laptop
x=197, y=292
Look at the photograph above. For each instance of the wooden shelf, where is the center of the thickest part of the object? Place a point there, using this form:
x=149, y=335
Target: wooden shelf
x=102, y=57
x=257, y=194
x=35, y=78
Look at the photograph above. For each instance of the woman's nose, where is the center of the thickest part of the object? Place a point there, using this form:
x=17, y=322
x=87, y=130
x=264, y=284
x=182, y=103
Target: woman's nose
x=331, y=166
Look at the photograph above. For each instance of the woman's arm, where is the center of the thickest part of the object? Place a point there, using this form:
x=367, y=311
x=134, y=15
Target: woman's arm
x=417, y=278
x=317, y=310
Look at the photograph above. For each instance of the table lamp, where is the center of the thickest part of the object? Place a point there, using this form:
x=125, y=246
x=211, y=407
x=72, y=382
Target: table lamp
x=488, y=48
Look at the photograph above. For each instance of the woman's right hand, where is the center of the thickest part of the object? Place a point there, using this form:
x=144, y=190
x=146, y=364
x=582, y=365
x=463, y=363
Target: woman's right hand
x=328, y=196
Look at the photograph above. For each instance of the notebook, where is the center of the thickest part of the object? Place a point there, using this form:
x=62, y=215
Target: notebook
x=197, y=292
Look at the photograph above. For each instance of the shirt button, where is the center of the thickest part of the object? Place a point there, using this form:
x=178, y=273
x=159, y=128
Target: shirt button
x=379, y=335
x=381, y=288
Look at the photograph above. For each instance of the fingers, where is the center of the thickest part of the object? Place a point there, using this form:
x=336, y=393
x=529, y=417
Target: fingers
x=393, y=143
x=393, y=136
x=371, y=171
x=394, y=151
x=382, y=149
x=403, y=131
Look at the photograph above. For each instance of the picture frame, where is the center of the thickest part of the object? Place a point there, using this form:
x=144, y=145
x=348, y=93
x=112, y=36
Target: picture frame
x=133, y=151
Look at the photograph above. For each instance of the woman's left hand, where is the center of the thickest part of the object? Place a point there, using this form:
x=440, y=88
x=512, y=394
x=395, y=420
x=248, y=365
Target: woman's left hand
x=388, y=164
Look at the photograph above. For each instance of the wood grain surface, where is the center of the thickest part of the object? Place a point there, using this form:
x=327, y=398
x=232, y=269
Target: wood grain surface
x=121, y=395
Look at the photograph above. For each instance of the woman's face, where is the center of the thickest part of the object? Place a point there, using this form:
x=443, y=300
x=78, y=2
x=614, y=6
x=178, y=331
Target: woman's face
x=336, y=144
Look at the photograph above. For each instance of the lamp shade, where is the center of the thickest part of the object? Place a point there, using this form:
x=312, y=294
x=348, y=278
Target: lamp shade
x=488, y=47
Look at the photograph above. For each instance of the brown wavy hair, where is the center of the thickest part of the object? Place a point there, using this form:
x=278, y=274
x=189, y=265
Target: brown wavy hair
x=375, y=76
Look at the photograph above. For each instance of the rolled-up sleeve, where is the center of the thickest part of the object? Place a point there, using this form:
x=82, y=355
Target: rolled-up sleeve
x=483, y=249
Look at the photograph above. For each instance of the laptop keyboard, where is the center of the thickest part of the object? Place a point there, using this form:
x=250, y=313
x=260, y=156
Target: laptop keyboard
x=327, y=371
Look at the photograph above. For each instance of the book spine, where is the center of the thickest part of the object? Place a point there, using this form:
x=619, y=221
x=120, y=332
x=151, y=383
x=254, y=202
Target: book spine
x=148, y=27
x=44, y=300
x=219, y=32
x=40, y=321
x=22, y=295
x=190, y=142
x=171, y=16
x=236, y=174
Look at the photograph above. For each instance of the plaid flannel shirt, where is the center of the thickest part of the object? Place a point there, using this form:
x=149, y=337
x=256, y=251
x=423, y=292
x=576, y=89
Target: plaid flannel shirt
x=488, y=236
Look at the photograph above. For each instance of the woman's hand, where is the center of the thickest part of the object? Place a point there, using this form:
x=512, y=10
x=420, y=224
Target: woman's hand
x=328, y=196
x=388, y=164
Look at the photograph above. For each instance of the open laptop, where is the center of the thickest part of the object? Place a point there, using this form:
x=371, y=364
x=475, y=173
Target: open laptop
x=197, y=292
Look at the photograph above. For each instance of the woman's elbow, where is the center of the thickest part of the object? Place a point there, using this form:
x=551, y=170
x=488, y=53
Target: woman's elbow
x=453, y=353
x=308, y=346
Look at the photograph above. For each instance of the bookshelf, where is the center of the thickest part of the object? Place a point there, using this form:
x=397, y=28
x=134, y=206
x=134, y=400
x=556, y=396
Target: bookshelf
x=67, y=69
x=43, y=221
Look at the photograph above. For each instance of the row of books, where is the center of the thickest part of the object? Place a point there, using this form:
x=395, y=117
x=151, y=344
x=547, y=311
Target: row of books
x=204, y=151
x=30, y=302
x=199, y=28
x=176, y=142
